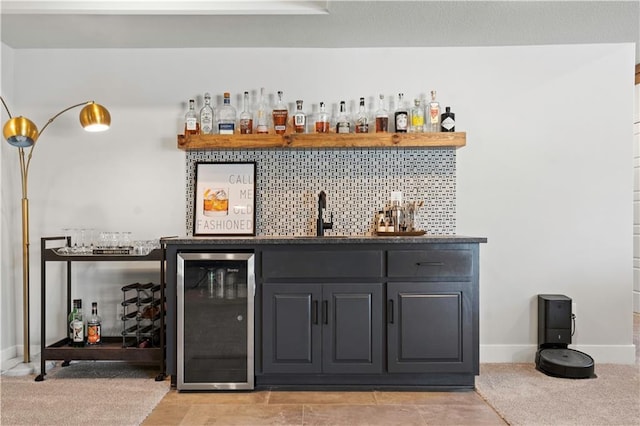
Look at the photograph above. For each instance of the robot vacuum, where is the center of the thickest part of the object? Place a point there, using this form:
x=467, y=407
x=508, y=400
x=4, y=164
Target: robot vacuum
x=553, y=358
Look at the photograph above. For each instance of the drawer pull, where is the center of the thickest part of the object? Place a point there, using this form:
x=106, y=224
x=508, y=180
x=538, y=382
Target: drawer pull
x=429, y=263
x=325, y=311
x=314, y=311
x=390, y=311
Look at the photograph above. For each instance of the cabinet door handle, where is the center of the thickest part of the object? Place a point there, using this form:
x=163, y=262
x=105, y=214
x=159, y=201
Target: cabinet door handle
x=429, y=263
x=390, y=311
x=314, y=311
x=325, y=311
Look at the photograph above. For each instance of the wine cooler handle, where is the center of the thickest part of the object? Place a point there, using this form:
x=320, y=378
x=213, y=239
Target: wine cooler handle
x=325, y=311
x=314, y=311
x=390, y=313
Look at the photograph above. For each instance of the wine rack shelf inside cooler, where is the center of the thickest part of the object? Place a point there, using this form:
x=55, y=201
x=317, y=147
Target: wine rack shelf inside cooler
x=141, y=315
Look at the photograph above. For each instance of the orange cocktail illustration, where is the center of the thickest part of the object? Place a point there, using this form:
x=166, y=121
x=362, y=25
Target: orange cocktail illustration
x=215, y=202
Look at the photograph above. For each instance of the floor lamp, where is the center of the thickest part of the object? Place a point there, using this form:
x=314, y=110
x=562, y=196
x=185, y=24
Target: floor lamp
x=23, y=133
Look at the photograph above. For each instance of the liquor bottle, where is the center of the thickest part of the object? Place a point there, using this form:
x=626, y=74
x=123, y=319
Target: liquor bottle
x=191, y=126
x=434, y=113
x=246, y=118
x=401, y=115
x=322, y=121
x=227, y=117
x=448, y=121
x=94, y=326
x=417, y=117
x=362, y=120
x=206, y=116
x=382, y=117
x=280, y=114
x=299, y=119
x=262, y=118
x=76, y=324
x=343, y=123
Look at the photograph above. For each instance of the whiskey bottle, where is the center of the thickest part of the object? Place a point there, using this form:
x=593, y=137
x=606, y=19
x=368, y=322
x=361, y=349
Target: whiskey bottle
x=94, y=326
x=246, y=118
x=382, y=117
x=280, y=114
x=227, y=117
x=343, y=123
x=401, y=115
x=434, y=114
x=322, y=121
x=362, y=120
x=191, y=126
x=76, y=324
x=262, y=118
x=299, y=119
x=448, y=121
x=417, y=117
x=206, y=116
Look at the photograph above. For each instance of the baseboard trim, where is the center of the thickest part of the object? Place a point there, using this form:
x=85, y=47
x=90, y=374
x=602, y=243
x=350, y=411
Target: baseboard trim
x=601, y=354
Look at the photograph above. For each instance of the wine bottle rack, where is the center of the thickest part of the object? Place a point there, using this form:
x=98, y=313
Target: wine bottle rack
x=323, y=140
x=141, y=315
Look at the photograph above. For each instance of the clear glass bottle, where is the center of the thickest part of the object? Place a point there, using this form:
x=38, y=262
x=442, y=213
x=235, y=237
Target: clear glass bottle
x=382, y=117
x=246, y=118
x=417, y=117
x=227, y=117
x=448, y=121
x=206, y=116
x=94, y=326
x=401, y=115
x=434, y=114
x=280, y=114
x=362, y=119
x=191, y=126
x=76, y=324
x=262, y=115
x=299, y=119
x=343, y=123
x=322, y=121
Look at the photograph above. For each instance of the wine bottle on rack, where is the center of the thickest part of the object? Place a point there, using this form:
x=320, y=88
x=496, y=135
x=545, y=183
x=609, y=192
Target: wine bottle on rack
x=76, y=324
x=94, y=326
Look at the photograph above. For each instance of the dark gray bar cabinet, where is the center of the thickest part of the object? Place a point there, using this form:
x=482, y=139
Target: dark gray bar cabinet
x=355, y=312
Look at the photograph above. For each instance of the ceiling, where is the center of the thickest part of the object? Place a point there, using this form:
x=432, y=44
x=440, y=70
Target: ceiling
x=29, y=24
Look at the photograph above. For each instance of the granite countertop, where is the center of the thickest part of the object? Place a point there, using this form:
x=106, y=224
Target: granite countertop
x=327, y=239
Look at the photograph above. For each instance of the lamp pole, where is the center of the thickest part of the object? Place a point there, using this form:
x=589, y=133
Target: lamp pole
x=22, y=132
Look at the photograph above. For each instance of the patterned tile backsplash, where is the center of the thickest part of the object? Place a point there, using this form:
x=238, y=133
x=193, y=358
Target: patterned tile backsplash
x=358, y=183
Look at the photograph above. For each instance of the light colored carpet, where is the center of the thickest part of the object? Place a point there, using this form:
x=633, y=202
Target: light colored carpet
x=112, y=393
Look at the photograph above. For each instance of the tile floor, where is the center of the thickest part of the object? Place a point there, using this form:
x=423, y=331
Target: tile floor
x=323, y=408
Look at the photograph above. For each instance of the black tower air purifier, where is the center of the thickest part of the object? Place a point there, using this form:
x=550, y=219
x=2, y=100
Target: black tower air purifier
x=554, y=335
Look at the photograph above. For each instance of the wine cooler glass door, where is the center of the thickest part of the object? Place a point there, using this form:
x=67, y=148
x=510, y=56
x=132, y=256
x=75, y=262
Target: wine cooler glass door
x=215, y=321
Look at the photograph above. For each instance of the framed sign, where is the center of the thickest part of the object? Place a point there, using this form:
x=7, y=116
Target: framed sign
x=225, y=199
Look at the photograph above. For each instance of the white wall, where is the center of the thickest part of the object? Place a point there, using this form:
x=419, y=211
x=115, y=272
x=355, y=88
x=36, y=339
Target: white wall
x=546, y=174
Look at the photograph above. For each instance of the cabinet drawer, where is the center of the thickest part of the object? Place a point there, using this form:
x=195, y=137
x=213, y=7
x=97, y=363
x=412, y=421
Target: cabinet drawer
x=429, y=263
x=322, y=264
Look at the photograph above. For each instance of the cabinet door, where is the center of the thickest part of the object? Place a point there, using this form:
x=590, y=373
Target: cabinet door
x=352, y=328
x=430, y=327
x=291, y=328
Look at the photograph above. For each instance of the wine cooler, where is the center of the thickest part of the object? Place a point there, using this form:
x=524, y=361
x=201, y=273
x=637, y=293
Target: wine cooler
x=215, y=294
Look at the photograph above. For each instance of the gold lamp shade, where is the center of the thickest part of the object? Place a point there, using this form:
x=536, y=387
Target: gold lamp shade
x=20, y=132
x=95, y=118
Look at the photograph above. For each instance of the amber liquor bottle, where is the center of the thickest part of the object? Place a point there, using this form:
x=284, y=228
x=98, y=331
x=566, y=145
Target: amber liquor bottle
x=322, y=121
x=191, y=126
x=299, y=119
x=382, y=117
x=94, y=326
x=246, y=118
x=280, y=114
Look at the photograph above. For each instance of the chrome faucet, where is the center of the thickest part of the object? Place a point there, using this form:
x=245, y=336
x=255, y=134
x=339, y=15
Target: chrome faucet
x=321, y=224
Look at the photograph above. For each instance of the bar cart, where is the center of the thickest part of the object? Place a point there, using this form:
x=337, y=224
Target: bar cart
x=113, y=348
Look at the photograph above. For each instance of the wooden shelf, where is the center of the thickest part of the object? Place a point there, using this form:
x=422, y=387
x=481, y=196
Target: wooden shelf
x=324, y=140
